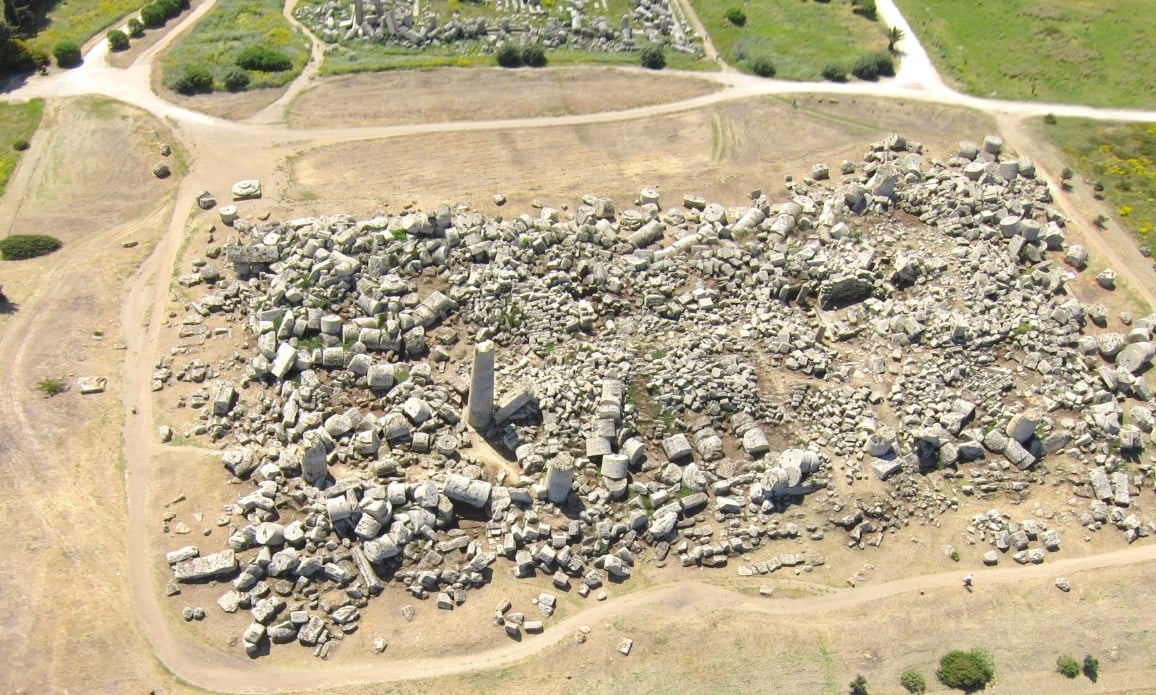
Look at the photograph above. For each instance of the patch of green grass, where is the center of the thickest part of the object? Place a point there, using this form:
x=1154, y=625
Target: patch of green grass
x=79, y=20
x=1121, y=158
x=799, y=38
x=220, y=36
x=1069, y=51
x=17, y=124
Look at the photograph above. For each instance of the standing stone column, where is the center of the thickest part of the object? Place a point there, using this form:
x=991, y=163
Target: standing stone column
x=559, y=476
x=481, y=404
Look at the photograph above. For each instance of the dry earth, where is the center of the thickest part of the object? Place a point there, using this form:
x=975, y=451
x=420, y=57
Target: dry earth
x=63, y=588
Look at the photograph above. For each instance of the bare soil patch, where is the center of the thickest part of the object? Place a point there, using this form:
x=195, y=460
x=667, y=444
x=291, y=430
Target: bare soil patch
x=452, y=94
x=721, y=152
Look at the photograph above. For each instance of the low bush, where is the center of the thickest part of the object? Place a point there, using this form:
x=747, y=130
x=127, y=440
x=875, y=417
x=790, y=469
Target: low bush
x=196, y=79
x=19, y=247
x=508, y=55
x=763, y=66
x=235, y=78
x=171, y=7
x=20, y=145
x=1067, y=666
x=834, y=73
x=858, y=686
x=135, y=28
x=67, y=54
x=1092, y=665
x=51, y=386
x=970, y=670
x=735, y=16
x=153, y=16
x=866, y=8
x=534, y=55
x=117, y=40
x=263, y=59
x=653, y=57
x=912, y=681
x=873, y=66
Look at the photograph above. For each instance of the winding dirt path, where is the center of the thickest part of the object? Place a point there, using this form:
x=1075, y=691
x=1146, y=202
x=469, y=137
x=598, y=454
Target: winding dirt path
x=213, y=140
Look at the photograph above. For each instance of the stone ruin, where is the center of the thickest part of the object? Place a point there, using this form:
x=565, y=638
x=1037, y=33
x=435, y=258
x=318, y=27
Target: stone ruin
x=576, y=24
x=599, y=388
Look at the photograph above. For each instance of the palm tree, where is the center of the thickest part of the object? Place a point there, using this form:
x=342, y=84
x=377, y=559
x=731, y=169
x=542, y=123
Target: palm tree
x=894, y=36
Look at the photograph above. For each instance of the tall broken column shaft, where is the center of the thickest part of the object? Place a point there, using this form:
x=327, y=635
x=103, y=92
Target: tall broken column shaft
x=480, y=409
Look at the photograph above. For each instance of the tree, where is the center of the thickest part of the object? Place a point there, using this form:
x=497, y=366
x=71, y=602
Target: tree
x=968, y=671
x=117, y=40
x=894, y=36
x=735, y=16
x=171, y=7
x=859, y=685
x=67, y=54
x=1091, y=667
x=135, y=28
x=508, y=55
x=534, y=55
x=912, y=681
x=1067, y=666
x=152, y=16
x=653, y=57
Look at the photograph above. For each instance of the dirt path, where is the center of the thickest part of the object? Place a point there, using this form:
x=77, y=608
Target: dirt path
x=214, y=142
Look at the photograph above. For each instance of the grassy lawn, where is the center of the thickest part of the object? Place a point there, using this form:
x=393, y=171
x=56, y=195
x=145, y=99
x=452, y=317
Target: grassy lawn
x=1068, y=51
x=229, y=27
x=800, y=37
x=17, y=123
x=1120, y=157
x=80, y=20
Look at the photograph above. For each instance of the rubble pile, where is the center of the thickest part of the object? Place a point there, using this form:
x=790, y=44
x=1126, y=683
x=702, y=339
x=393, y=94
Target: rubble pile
x=434, y=396
x=575, y=25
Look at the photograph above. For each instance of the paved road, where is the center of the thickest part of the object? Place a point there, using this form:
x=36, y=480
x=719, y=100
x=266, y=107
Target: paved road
x=211, y=137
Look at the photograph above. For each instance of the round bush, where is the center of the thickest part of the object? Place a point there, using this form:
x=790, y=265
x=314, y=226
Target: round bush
x=534, y=55
x=117, y=40
x=735, y=16
x=171, y=7
x=912, y=681
x=653, y=57
x=135, y=28
x=20, y=145
x=968, y=671
x=834, y=73
x=236, y=79
x=763, y=66
x=508, y=55
x=1067, y=666
x=153, y=16
x=196, y=79
x=21, y=246
x=873, y=66
x=67, y=54
x=263, y=59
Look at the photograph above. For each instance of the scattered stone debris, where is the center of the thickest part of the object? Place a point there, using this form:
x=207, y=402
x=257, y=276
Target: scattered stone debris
x=247, y=189
x=1063, y=584
x=91, y=384
x=430, y=397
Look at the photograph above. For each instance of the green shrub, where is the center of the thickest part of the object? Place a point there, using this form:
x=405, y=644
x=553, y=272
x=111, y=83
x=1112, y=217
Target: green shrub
x=235, y=78
x=20, y=145
x=859, y=685
x=866, y=8
x=196, y=79
x=21, y=246
x=263, y=59
x=534, y=55
x=51, y=386
x=135, y=28
x=1091, y=667
x=67, y=54
x=117, y=40
x=1067, y=666
x=873, y=66
x=912, y=681
x=508, y=55
x=153, y=16
x=1050, y=118
x=171, y=7
x=763, y=66
x=653, y=57
x=955, y=556
x=735, y=16
x=834, y=73
x=971, y=670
